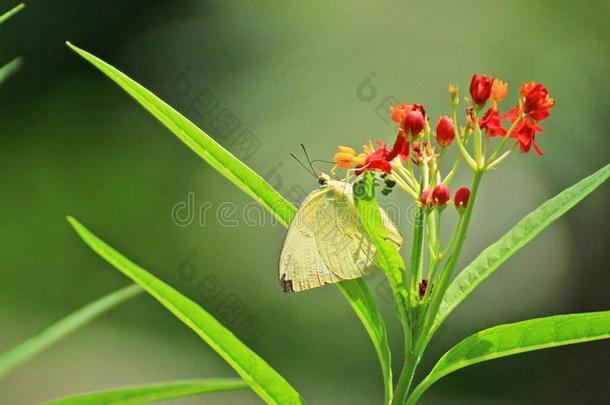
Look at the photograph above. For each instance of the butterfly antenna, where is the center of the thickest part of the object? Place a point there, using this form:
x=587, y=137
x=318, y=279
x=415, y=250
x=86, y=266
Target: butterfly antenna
x=309, y=160
x=304, y=165
x=322, y=161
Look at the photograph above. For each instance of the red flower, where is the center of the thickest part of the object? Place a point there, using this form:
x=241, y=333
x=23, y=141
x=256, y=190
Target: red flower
x=525, y=133
x=462, y=195
x=413, y=123
x=480, y=88
x=441, y=194
x=400, y=148
x=376, y=160
x=492, y=122
x=445, y=132
x=412, y=118
x=537, y=104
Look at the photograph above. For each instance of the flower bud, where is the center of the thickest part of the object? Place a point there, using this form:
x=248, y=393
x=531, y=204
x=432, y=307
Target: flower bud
x=441, y=195
x=461, y=198
x=414, y=123
x=480, y=88
x=426, y=198
x=423, y=286
x=445, y=132
x=453, y=95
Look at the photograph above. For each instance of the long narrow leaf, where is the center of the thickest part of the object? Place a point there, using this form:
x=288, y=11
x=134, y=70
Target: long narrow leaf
x=200, y=142
x=64, y=327
x=144, y=394
x=259, y=375
x=519, y=337
x=9, y=69
x=509, y=244
x=363, y=303
x=355, y=291
x=11, y=12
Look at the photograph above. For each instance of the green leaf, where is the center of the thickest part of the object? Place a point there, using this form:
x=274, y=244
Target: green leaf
x=64, y=327
x=153, y=392
x=509, y=244
x=263, y=379
x=200, y=142
x=355, y=291
x=363, y=303
x=11, y=12
x=519, y=337
x=9, y=69
x=388, y=255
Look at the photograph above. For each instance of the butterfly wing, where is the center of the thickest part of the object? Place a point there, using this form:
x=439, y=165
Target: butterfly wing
x=326, y=242
x=301, y=266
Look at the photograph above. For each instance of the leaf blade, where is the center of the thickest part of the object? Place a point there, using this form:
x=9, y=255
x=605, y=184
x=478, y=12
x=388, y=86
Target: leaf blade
x=11, y=12
x=32, y=346
x=525, y=230
x=10, y=68
x=364, y=305
x=197, y=140
x=519, y=337
x=143, y=394
x=259, y=375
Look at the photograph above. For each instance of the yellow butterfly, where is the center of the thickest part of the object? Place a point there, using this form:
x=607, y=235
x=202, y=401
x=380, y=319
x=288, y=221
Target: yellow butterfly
x=326, y=241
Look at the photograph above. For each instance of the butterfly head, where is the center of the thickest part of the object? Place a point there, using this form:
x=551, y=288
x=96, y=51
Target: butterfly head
x=323, y=179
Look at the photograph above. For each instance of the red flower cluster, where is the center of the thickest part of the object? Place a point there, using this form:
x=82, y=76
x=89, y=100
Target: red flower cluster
x=534, y=106
x=440, y=196
x=413, y=138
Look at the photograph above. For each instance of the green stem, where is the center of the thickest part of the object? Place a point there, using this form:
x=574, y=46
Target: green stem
x=423, y=337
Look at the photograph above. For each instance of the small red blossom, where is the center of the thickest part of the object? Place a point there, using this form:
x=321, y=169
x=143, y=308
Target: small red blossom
x=422, y=287
x=537, y=104
x=534, y=106
x=525, y=133
x=445, y=131
x=492, y=122
x=426, y=198
x=376, y=160
x=480, y=88
x=460, y=200
x=413, y=123
x=441, y=194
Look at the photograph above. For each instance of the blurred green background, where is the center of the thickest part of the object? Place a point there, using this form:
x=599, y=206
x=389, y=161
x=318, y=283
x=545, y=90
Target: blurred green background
x=289, y=72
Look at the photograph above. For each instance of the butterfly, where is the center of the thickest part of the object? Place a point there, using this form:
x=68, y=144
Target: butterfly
x=326, y=241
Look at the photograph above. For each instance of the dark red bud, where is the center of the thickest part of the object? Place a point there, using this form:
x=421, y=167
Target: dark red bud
x=461, y=198
x=423, y=285
x=445, y=132
x=480, y=88
x=441, y=194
